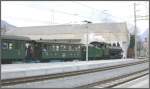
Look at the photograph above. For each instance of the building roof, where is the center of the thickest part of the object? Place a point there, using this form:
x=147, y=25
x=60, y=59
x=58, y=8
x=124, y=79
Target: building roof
x=14, y=37
x=109, y=31
x=74, y=28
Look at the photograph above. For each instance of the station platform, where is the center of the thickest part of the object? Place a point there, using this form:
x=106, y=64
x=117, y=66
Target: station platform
x=11, y=71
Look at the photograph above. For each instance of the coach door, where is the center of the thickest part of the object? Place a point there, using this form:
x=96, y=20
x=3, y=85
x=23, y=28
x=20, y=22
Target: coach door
x=37, y=51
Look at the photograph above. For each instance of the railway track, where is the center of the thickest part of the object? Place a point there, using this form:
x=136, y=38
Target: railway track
x=9, y=82
x=109, y=83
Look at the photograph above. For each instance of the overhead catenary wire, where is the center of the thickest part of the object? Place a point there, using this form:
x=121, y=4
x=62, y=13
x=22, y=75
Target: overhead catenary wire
x=94, y=9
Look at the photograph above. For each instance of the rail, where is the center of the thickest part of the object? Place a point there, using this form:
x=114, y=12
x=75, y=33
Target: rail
x=109, y=83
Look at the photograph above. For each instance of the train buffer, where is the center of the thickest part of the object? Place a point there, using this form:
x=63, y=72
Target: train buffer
x=72, y=74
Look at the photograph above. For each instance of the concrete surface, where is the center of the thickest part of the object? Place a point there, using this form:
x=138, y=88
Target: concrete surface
x=9, y=71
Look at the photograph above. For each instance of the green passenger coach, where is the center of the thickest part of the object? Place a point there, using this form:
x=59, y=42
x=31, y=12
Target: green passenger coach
x=60, y=52
x=13, y=48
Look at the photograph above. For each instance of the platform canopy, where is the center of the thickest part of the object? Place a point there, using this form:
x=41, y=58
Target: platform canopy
x=107, y=32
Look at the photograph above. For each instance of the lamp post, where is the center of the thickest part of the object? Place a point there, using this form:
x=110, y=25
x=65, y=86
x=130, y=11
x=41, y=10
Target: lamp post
x=52, y=16
x=87, y=22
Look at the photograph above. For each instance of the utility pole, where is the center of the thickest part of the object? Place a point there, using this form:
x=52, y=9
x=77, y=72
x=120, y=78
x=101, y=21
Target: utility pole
x=135, y=32
x=143, y=17
x=87, y=38
x=136, y=18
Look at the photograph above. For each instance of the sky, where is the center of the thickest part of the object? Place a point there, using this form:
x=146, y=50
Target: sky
x=41, y=13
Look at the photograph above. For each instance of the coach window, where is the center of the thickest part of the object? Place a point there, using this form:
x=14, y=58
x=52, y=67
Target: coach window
x=61, y=48
x=11, y=46
x=5, y=45
x=53, y=47
x=67, y=47
x=64, y=47
x=16, y=45
x=63, y=54
x=49, y=47
x=45, y=48
x=70, y=48
x=78, y=47
x=57, y=48
x=74, y=48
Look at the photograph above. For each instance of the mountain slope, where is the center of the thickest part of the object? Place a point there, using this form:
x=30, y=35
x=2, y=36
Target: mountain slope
x=5, y=27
